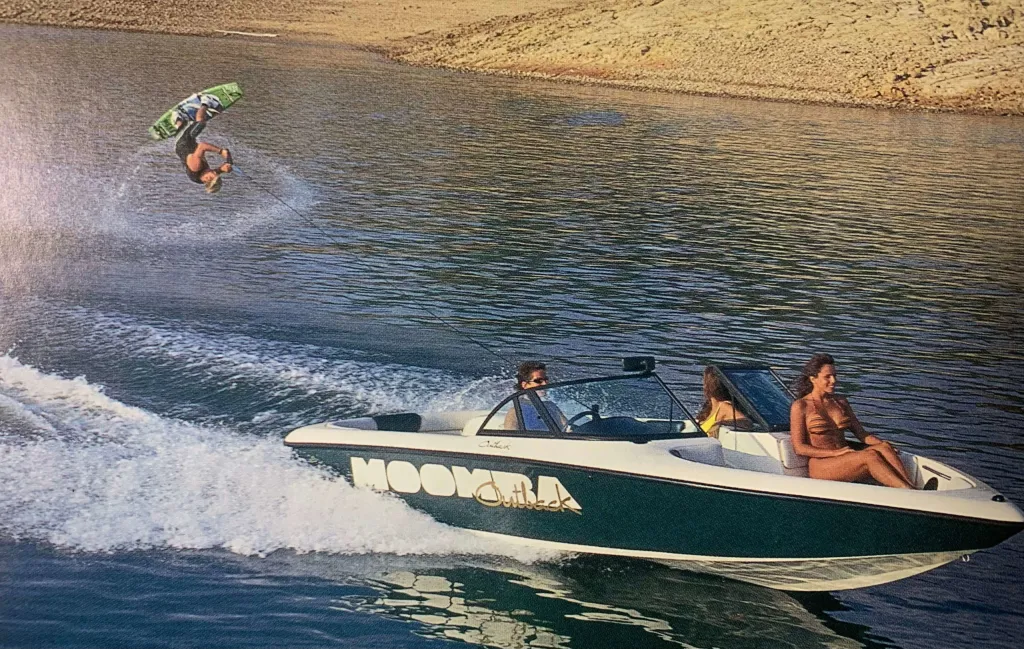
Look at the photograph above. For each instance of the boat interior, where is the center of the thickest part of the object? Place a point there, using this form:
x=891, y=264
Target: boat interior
x=761, y=444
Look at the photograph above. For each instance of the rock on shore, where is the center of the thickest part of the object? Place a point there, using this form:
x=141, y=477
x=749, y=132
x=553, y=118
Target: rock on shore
x=965, y=55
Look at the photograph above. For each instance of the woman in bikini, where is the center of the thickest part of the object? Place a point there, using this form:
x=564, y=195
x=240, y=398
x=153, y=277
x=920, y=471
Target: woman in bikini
x=718, y=409
x=818, y=420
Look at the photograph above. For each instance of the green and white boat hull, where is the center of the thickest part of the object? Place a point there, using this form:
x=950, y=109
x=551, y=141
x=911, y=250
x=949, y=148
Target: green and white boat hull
x=616, y=466
x=644, y=501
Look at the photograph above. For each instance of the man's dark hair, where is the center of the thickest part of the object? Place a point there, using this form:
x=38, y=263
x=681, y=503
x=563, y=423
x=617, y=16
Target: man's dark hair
x=526, y=368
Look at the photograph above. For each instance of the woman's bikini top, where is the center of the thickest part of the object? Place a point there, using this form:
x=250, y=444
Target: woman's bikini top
x=710, y=422
x=819, y=423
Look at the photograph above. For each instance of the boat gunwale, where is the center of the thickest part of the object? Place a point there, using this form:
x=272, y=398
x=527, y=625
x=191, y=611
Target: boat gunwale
x=981, y=488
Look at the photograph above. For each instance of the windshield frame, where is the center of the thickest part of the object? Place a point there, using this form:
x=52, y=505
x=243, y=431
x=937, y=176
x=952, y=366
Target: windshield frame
x=744, y=401
x=555, y=432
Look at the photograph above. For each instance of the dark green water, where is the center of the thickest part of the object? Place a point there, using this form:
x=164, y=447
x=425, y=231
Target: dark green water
x=400, y=239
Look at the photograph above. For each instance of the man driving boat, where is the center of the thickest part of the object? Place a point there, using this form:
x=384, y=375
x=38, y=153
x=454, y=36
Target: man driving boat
x=532, y=375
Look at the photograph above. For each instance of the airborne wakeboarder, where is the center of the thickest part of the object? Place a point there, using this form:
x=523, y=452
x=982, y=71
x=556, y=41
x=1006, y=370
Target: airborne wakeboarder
x=187, y=119
x=192, y=152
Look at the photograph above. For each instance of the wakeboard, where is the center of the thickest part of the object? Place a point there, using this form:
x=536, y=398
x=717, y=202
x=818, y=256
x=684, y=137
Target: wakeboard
x=217, y=99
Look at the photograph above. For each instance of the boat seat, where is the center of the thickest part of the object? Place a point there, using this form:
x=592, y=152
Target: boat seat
x=444, y=422
x=453, y=422
x=705, y=450
x=765, y=452
x=472, y=426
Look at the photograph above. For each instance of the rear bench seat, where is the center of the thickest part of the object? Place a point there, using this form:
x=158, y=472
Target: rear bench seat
x=472, y=426
x=764, y=452
x=454, y=422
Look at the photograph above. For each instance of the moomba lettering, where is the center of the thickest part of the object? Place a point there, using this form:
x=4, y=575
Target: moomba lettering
x=489, y=488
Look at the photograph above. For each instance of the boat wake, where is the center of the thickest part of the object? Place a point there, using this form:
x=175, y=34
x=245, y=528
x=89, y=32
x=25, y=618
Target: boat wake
x=83, y=471
x=225, y=376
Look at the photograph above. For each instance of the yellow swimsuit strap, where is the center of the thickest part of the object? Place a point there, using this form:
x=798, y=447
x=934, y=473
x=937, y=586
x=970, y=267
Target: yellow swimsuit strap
x=707, y=424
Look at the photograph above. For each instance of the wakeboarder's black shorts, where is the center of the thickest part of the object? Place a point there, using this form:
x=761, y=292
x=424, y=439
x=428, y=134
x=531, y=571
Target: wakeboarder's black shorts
x=186, y=143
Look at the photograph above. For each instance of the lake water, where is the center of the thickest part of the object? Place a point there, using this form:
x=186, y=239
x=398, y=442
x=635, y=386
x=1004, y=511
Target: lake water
x=400, y=239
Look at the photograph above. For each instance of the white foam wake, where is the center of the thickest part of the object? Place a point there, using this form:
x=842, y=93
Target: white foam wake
x=81, y=470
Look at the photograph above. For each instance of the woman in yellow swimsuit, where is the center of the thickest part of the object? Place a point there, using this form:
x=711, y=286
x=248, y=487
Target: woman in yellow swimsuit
x=718, y=409
x=818, y=420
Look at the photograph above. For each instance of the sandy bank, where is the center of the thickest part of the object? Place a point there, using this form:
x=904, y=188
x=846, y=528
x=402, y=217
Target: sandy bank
x=965, y=55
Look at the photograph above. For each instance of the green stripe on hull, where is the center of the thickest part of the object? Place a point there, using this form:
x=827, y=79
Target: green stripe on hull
x=641, y=513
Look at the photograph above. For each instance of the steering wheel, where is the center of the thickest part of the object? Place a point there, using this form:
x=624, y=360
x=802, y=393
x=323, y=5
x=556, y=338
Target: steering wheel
x=591, y=412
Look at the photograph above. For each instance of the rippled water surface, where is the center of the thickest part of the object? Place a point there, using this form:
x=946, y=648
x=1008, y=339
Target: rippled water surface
x=401, y=238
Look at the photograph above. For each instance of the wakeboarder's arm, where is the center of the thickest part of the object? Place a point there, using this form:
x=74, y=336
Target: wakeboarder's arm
x=226, y=167
x=203, y=148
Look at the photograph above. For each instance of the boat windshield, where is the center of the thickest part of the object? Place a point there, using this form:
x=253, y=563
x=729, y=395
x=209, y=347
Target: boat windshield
x=761, y=392
x=625, y=407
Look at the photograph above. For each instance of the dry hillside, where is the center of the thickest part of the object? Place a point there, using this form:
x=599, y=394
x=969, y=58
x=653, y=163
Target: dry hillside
x=941, y=54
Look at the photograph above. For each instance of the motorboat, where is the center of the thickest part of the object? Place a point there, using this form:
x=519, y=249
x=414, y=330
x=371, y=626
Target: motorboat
x=617, y=465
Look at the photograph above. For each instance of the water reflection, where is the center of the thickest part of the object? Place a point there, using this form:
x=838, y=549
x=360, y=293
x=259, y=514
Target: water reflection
x=220, y=599
x=594, y=603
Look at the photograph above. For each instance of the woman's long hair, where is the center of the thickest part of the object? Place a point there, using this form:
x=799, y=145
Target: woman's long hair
x=712, y=388
x=802, y=385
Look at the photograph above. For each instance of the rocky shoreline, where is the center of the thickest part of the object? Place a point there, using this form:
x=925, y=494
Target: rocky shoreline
x=949, y=55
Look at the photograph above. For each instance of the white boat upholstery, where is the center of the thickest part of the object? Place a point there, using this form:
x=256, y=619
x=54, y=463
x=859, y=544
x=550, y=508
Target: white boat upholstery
x=360, y=423
x=764, y=452
x=449, y=422
x=453, y=422
x=706, y=450
x=472, y=426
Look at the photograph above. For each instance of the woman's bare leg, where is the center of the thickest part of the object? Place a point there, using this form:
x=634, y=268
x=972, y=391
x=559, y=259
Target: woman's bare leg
x=844, y=468
x=892, y=456
x=882, y=470
x=856, y=466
